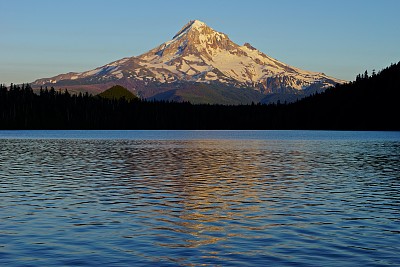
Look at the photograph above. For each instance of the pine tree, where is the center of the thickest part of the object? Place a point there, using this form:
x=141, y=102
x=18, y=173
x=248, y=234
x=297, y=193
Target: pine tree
x=366, y=74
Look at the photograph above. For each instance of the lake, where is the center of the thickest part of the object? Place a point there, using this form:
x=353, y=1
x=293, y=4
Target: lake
x=191, y=198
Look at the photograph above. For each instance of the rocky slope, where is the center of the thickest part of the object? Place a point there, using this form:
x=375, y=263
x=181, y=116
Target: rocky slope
x=196, y=59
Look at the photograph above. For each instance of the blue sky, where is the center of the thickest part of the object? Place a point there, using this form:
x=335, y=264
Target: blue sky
x=341, y=38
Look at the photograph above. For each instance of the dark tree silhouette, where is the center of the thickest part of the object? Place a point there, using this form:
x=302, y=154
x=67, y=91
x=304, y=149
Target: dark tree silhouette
x=368, y=103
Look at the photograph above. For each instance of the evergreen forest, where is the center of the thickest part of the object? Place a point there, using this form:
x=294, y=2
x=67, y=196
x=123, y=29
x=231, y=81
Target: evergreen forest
x=371, y=102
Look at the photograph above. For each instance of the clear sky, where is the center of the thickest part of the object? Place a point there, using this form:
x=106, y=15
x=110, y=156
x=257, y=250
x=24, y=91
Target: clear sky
x=341, y=38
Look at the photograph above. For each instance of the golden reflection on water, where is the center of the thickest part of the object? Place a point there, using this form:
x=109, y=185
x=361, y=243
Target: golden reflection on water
x=209, y=182
x=189, y=202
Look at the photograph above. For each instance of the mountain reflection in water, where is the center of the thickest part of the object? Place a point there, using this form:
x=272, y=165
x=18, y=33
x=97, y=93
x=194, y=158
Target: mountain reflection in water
x=192, y=202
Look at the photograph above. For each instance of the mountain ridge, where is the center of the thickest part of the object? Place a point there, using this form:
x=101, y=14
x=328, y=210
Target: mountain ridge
x=197, y=54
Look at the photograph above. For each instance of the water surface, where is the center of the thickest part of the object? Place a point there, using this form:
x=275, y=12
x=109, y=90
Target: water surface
x=190, y=198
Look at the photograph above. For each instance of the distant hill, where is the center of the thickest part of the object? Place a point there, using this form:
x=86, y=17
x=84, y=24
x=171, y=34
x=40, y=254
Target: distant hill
x=118, y=92
x=199, y=93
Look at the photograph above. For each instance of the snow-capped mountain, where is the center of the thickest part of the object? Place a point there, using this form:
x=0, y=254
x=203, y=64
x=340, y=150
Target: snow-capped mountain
x=196, y=61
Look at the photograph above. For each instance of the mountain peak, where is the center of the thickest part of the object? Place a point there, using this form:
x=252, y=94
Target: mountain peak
x=197, y=23
x=193, y=24
x=195, y=38
x=200, y=54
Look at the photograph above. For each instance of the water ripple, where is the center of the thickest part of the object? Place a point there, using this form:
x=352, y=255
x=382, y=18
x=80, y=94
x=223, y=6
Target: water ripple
x=199, y=202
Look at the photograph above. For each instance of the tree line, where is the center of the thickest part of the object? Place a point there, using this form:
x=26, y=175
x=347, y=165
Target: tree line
x=368, y=103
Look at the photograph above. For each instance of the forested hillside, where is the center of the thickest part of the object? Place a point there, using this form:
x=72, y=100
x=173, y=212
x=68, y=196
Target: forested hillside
x=369, y=103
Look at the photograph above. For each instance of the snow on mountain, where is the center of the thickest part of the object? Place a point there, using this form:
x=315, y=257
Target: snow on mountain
x=198, y=54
